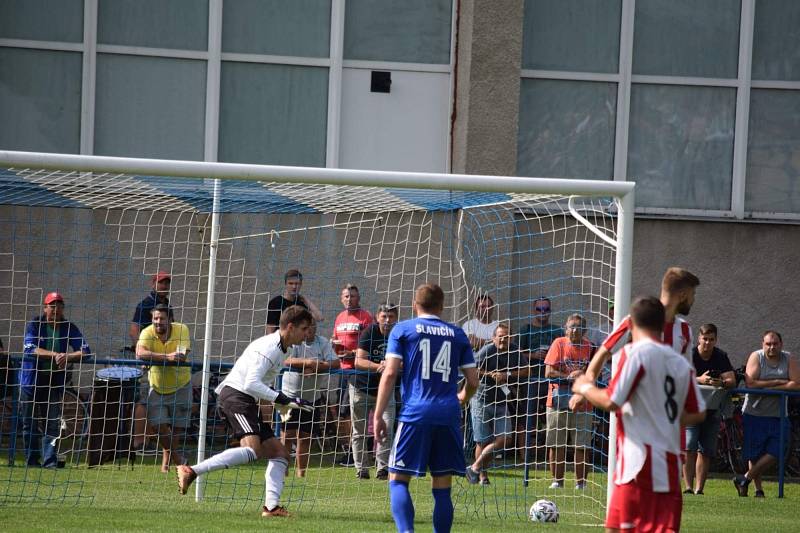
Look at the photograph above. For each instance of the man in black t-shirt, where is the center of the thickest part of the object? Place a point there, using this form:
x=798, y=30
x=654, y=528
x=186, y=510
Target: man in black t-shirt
x=293, y=282
x=713, y=372
x=371, y=359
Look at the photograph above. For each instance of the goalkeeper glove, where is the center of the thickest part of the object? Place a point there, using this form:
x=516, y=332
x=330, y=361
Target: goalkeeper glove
x=284, y=405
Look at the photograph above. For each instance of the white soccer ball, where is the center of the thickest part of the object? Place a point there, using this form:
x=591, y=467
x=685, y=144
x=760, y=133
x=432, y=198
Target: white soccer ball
x=543, y=511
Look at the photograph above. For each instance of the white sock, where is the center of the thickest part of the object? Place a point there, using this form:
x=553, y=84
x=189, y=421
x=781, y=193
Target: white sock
x=226, y=459
x=274, y=476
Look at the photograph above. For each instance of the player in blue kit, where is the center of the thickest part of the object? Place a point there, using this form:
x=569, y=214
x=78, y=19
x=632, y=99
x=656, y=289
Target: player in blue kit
x=427, y=353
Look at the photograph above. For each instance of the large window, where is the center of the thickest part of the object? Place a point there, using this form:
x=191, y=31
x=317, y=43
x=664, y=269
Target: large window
x=251, y=81
x=706, y=111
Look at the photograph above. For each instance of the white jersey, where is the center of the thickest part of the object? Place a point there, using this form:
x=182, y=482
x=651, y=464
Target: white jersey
x=478, y=329
x=677, y=334
x=255, y=371
x=653, y=386
x=310, y=386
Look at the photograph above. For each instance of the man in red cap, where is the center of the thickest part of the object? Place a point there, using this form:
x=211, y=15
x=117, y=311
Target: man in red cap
x=51, y=342
x=142, y=318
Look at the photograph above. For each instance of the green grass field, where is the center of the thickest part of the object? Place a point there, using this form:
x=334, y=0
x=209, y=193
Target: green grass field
x=330, y=499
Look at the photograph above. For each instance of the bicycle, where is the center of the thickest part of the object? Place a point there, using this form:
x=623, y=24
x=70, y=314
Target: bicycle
x=730, y=440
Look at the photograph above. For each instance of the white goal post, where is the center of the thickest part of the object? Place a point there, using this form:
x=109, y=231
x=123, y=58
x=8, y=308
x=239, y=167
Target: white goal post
x=70, y=175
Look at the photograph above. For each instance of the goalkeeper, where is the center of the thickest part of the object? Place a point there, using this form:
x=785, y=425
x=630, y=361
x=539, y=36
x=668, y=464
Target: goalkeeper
x=251, y=380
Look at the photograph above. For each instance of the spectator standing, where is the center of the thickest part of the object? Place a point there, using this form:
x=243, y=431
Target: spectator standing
x=714, y=374
x=499, y=364
x=51, y=343
x=292, y=283
x=774, y=369
x=567, y=359
x=535, y=340
x=161, y=283
x=169, y=401
x=371, y=357
x=349, y=325
x=480, y=329
x=309, y=379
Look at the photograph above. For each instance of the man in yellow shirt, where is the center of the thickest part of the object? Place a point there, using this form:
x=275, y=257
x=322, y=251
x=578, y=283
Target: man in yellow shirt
x=169, y=404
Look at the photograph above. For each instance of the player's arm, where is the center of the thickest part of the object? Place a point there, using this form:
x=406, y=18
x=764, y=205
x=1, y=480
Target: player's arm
x=584, y=387
x=385, y=391
x=471, y=385
x=753, y=371
x=694, y=407
x=601, y=357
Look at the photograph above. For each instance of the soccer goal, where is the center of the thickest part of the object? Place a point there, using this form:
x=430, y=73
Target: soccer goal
x=97, y=229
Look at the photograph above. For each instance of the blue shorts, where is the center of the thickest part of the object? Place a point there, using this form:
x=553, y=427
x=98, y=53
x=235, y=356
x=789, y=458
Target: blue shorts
x=420, y=447
x=762, y=435
x=489, y=421
x=703, y=437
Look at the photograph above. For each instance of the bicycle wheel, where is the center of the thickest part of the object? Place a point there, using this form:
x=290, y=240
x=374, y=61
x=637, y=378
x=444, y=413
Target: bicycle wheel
x=735, y=436
x=74, y=424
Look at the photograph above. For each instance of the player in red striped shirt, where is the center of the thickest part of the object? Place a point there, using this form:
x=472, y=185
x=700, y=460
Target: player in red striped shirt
x=652, y=395
x=678, y=287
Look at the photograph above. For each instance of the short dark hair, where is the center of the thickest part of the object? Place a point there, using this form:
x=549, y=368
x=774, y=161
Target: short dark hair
x=502, y=325
x=708, y=329
x=295, y=315
x=429, y=297
x=293, y=273
x=772, y=332
x=164, y=308
x=677, y=279
x=388, y=307
x=543, y=299
x=350, y=287
x=647, y=312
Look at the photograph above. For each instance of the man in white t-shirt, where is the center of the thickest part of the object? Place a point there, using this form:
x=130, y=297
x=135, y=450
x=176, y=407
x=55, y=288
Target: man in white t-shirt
x=652, y=395
x=480, y=329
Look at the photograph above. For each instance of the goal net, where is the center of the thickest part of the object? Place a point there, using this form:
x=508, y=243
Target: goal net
x=98, y=231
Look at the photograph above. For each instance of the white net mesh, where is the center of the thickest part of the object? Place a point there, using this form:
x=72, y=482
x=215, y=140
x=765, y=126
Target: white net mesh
x=96, y=238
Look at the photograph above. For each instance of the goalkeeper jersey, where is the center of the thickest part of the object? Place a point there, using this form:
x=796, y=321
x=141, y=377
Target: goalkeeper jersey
x=432, y=352
x=255, y=371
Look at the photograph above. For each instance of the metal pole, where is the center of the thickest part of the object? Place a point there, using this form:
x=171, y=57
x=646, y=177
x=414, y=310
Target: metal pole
x=212, y=270
x=622, y=298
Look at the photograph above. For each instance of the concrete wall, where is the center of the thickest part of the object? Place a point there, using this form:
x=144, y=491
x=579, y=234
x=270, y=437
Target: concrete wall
x=747, y=271
x=486, y=106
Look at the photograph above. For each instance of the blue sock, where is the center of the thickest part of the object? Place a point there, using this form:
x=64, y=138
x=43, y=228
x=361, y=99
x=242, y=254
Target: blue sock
x=442, y=510
x=402, y=506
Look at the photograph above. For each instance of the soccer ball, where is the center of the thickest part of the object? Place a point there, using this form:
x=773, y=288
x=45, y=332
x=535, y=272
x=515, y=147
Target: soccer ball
x=543, y=511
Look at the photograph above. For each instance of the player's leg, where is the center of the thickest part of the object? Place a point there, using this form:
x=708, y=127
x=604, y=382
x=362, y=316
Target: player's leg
x=359, y=410
x=409, y=457
x=243, y=419
x=445, y=461
x=278, y=461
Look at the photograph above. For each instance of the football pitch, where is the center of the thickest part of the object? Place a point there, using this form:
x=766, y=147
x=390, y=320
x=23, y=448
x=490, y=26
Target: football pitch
x=148, y=501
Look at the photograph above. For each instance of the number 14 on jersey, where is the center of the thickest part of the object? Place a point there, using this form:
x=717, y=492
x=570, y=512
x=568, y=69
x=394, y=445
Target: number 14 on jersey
x=441, y=364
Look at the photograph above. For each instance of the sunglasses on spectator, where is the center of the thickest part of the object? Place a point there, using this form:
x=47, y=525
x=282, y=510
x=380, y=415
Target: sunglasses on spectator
x=542, y=309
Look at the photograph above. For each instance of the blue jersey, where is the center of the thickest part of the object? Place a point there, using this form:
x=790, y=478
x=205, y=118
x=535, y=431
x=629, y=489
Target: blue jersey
x=432, y=352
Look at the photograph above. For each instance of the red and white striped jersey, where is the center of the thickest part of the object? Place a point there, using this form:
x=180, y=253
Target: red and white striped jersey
x=677, y=334
x=653, y=386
